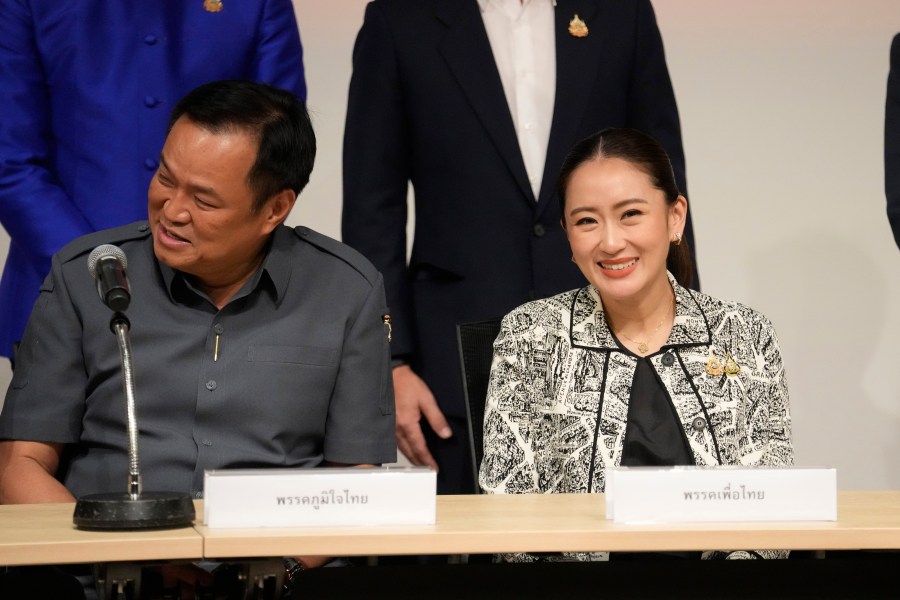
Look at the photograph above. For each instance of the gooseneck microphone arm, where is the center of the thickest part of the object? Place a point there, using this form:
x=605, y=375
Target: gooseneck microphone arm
x=134, y=509
x=120, y=326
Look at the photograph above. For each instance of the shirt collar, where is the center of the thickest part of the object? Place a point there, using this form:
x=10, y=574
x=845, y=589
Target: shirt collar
x=276, y=269
x=590, y=330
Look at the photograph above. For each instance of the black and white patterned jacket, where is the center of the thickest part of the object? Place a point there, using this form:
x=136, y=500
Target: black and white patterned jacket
x=557, y=367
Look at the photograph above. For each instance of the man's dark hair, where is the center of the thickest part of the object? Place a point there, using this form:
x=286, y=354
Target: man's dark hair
x=276, y=118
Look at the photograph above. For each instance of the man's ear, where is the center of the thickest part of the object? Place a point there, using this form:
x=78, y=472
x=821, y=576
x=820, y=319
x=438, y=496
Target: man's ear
x=277, y=208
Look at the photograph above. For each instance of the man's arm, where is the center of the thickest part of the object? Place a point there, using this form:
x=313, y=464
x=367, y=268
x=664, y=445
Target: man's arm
x=27, y=472
x=279, y=54
x=359, y=427
x=377, y=169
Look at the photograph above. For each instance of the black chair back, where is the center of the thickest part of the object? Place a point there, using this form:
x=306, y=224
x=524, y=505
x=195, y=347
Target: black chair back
x=476, y=351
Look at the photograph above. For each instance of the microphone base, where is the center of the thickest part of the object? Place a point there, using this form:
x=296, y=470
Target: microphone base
x=151, y=510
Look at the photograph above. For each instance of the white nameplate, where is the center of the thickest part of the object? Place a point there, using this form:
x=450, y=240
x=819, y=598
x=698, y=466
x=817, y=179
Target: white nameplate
x=682, y=494
x=319, y=497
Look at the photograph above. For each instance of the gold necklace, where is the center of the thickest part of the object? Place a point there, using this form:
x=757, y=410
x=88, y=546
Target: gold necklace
x=643, y=346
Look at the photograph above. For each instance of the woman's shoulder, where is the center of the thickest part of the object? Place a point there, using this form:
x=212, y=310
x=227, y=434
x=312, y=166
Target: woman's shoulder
x=717, y=311
x=560, y=303
x=542, y=316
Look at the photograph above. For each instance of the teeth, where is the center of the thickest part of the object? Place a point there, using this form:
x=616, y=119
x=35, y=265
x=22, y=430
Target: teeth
x=619, y=266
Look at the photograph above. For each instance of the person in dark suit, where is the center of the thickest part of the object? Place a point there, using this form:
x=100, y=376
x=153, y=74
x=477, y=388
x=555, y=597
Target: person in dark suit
x=892, y=141
x=443, y=95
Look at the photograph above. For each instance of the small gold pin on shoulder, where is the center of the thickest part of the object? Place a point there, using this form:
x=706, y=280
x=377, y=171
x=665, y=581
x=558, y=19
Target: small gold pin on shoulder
x=212, y=5
x=578, y=28
x=386, y=319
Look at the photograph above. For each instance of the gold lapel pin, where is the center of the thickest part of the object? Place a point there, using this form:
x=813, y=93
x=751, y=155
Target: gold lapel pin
x=577, y=27
x=731, y=366
x=212, y=5
x=713, y=366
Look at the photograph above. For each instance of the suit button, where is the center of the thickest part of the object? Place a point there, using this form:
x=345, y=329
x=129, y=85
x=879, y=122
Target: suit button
x=699, y=424
x=668, y=360
x=219, y=328
x=211, y=384
x=143, y=227
x=539, y=230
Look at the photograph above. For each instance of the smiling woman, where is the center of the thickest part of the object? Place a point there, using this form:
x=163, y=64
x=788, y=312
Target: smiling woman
x=636, y=368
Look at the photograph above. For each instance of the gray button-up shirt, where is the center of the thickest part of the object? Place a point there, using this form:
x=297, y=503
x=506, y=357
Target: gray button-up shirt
x=293, y=371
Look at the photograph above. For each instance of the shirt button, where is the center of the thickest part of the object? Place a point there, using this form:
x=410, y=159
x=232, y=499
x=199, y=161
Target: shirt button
x=151, y=164
x=143, y=227
x=219, y=328
x=150, y=39
x=539, y=230
x=150, y=101
x=206, y=443
x=667, y=359
x=211, y=384
x=699, y=424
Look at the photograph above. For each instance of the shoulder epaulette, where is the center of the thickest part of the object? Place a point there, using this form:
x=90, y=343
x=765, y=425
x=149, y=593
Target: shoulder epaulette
x=340, y=250
x=117, y=235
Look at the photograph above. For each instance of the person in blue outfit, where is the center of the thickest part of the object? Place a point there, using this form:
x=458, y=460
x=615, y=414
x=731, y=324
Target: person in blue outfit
x=87, y=90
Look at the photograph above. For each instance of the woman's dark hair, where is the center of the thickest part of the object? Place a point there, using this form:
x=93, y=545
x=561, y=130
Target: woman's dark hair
x=648, y=155
x=276, y=118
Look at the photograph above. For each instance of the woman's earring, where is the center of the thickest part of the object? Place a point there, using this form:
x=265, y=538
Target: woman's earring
x=676, y=238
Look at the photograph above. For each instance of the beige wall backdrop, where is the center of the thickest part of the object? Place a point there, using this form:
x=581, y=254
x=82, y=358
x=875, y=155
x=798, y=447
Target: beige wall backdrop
x=782, y=107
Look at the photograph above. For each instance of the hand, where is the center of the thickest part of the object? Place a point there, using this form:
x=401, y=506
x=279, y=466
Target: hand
x=415, y=400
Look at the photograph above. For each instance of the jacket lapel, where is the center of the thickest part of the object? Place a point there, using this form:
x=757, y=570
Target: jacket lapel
x=467, y=50
x=577, y=63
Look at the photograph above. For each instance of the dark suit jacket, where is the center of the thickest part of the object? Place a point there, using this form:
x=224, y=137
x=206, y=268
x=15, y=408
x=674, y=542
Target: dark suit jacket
x=427, y=106
x=892, y=141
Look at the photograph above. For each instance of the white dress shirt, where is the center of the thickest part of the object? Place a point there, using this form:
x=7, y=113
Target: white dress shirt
x=521, y=33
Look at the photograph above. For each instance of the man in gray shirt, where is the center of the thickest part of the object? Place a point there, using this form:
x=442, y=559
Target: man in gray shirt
x=255, y=345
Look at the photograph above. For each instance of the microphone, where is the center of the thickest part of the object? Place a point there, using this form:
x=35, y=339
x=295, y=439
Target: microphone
x=106, y=264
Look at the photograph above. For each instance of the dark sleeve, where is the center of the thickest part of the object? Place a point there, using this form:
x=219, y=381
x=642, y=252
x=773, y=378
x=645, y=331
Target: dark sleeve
x=652, y=107
x=892, y=141
x=46, y=398
x=279, y=55
x=377, y=169
x=38, y=215
x=360, y=423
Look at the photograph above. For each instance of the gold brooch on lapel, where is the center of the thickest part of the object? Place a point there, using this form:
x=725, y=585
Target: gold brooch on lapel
x=731, y=367
x=713, y=366
x=577, y=27
x=212, y=5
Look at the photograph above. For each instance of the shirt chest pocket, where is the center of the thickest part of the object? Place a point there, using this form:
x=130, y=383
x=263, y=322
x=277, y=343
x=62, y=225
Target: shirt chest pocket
x=293, y=355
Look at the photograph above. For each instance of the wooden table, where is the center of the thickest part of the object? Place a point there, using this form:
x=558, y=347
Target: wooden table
x=566, y=522
x=44, y=534
x=32, y=534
